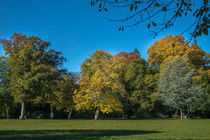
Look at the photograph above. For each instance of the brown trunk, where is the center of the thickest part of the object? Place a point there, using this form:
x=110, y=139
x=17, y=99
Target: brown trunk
x=51, y=113
x=123, y=114
x=69, y=115
x=188, y=113
x=97, y=114
x=22, y=115
x=181, y=114
x=7, y=111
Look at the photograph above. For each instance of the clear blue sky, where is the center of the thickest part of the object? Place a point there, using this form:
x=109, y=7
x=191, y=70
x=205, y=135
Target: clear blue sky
x=77, y=30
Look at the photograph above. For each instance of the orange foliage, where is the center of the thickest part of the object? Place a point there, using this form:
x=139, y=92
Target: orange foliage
x=129, y=56
x=165, y=47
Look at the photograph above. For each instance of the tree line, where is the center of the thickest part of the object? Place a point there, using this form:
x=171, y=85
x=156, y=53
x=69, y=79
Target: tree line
x=173, y=81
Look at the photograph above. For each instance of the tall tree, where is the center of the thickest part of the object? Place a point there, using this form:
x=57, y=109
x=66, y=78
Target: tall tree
x=98, y=87
x=32, y=67
x=178, y=89
x=203, y=103
x=140, y=84
x=200, y=60
x=122, y=62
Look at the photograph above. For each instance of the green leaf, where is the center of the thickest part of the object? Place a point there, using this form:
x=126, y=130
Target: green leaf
x=148, y=26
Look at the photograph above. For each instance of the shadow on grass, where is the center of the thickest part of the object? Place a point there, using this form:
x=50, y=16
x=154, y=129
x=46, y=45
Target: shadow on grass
x=67, y=134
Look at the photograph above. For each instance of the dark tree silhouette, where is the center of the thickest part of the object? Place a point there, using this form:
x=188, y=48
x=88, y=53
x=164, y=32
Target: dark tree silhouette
x=149, y=11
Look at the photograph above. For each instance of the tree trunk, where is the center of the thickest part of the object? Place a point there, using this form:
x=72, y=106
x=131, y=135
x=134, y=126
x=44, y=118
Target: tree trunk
x=181, y=113
x=188, y=113
x=22, y=115
x=7, y=111
x=123, y=114
x=51, y=113
x=97, y=114
x=69, y=115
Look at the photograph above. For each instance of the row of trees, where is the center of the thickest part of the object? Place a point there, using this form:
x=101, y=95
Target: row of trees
x=175, y=77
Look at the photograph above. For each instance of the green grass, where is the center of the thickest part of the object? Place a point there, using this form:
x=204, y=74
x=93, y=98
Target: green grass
x=104, y=129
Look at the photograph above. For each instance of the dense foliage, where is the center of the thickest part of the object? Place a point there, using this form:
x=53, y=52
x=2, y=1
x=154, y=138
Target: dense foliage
x=178, y=90
x=33, y=83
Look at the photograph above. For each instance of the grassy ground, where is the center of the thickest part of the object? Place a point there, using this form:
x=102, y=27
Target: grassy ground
x=104, y=129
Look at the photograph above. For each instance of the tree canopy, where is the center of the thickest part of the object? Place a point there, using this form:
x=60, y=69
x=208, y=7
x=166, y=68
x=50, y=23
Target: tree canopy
x=33, y=68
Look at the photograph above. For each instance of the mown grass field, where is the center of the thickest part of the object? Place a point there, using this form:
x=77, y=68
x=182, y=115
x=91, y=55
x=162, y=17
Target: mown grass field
x=104, y=129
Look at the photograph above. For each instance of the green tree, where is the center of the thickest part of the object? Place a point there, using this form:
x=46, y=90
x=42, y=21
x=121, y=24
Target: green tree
x=203, y=103
x=5, y=95
x=199, y=60
x=178, y=89
x=141, y=86
x=122, y=62
x=64, y=95
x=33, y=68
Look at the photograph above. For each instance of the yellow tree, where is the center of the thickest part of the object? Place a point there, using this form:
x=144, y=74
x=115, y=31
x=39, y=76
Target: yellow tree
x=98, y=88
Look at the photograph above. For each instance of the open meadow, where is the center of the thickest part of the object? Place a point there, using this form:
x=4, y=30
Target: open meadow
x=104, y=129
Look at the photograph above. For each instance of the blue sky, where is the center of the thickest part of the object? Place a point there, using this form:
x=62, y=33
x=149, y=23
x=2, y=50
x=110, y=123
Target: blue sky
x=77, y=29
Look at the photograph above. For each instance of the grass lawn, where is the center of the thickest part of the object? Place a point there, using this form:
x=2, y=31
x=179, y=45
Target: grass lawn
x=104, y=129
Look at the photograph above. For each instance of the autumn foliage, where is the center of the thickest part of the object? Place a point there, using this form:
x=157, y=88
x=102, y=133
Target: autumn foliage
x=32, y=76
